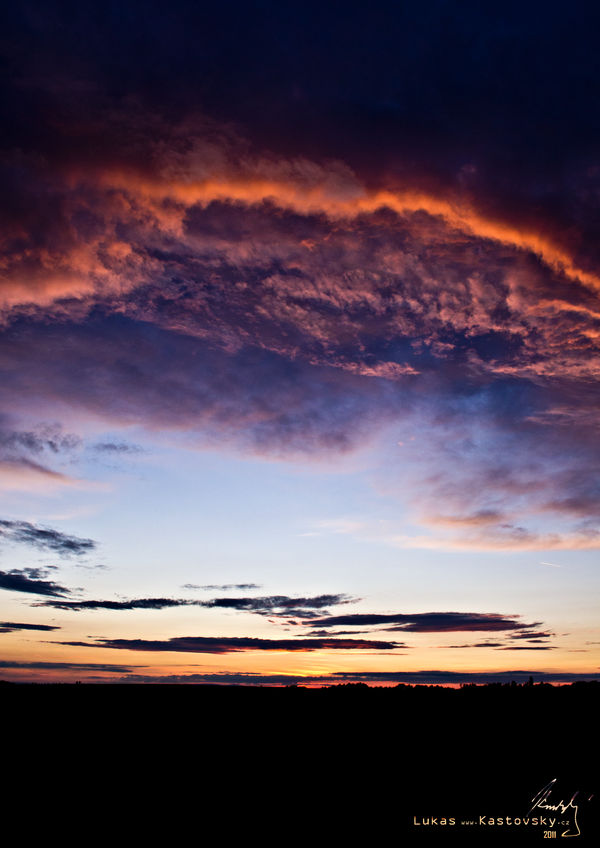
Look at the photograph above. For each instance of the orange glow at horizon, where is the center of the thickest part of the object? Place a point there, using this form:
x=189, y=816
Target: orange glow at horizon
x=306, y=665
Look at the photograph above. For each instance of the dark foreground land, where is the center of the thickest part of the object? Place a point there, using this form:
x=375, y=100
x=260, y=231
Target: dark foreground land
x=377, y=766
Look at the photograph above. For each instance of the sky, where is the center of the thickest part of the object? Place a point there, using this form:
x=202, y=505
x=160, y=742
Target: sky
x=299, y=342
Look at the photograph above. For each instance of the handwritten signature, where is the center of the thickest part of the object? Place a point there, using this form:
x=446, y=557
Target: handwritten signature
x=544, y=801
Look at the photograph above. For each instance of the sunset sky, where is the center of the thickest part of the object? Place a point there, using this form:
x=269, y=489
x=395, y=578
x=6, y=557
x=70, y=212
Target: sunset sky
x=299, y=342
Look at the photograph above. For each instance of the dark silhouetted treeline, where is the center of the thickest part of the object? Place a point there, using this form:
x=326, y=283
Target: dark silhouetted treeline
x=347, y=762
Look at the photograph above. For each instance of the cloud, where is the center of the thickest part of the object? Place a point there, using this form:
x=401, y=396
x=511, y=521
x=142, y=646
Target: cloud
x=25, y=475
x=428, y=622
x=222, y=587
x=134, y=603
x=10, y=626
x=26, y=580
x=499, y=646
x=117, y=448
x=45, y=438
x=444, y=678
x=44, y=538
x=274, y=605
x=281, y=605
x=221, y=678
x=234, y=644
x=66, y=666
x=532, y=634
x=423, y=128
x=335, y=633
x=22, y=450
x=249, y=271
x=289, y=367
x=528, y=648
x=270, y=405
x=428, y=678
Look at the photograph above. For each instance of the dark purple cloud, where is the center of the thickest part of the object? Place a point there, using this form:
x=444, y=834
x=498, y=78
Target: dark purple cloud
x=275, y=602
x=26, y=580
x=66, y=666
x=234, y=644
x=222, y=678
x=256, y=399
x=528, y=648
x=428, y=622
x=273, y=605
x=500, y=646
x=133, y=604
x=533, y=635
x=281, y=605
x=11, y=626
x=493, y=102
x=334, y=633
x=442, y=678
x=429, y=678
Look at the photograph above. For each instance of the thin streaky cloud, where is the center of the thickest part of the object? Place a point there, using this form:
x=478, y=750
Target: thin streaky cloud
x=44, y=538
x=221, y=587
x=274, y=605
x=235, y=644
x=67, y=666
x=12, y=626
x=430, y=622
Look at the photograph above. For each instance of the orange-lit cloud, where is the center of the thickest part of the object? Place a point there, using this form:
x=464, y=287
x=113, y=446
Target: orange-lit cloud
x=288, y=308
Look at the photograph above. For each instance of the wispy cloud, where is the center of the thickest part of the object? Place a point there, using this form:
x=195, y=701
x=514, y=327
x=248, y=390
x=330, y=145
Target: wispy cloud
x=221, y=587
x=44, y=538
x=66, y=666
x=44, y=439
x=429, y=622
x=273, y=605
x=235, y=644
x=28, y=581
x=23, y=474
x=133, y=604
x=278, y=605
x=24, y=456
x=528, y=648
x=117, y=448
x=12, y=626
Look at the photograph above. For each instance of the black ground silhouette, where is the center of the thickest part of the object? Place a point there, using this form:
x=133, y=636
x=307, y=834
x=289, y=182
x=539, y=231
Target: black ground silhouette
x=382, y=765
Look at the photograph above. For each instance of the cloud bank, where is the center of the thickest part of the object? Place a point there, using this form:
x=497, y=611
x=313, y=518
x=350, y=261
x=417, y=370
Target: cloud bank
x=237, y=262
